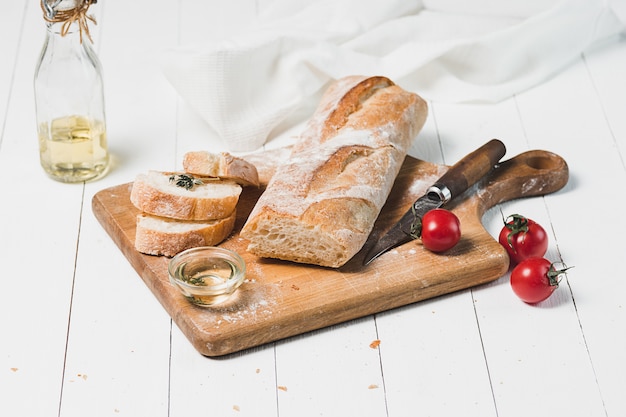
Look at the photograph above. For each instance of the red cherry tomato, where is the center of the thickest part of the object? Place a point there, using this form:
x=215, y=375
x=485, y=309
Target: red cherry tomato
x=523, y=238
x=535, y=279
x=441, y=230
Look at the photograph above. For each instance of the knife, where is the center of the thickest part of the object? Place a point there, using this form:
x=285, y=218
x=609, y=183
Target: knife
x=454, y=182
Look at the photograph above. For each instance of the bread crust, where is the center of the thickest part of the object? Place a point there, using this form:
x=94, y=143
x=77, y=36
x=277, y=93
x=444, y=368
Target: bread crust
x=155, y=194
x=167, y=237
x=222, y=165
x=267, y=161
x=320, y=206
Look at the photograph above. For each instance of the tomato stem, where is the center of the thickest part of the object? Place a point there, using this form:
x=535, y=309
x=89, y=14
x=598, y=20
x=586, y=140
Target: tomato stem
x=554, y=274
x=516, y=223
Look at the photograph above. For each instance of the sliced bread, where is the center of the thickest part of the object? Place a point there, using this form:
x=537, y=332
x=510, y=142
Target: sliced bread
x=222, y=165
x=162, y=194
x=167, y=237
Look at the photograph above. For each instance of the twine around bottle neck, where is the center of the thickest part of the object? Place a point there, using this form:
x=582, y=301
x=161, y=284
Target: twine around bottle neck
x=78, y=15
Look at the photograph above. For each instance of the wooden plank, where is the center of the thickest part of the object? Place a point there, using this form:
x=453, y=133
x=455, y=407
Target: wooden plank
x=38, y=216
x=242, y=384
x=281, y=299
x=118, y=347
x=434, y=348
x=586, y=123
x=334, y=371
x=522, y=341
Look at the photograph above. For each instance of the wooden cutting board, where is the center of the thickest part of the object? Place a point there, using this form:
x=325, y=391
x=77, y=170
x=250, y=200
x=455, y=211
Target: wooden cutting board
x=280, y=299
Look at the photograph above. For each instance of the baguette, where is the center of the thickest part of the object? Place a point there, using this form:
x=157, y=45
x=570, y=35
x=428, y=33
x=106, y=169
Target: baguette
x=222, y=165
x=167, y=237
x=320, y=206
x=154, y=193
x=267, y=161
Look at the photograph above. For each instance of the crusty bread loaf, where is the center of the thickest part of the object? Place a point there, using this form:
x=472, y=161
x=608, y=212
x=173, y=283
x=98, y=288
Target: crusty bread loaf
x=222, y=165
x=320, y=206
x=162, y=236
x=155, y=193
x=267, y=161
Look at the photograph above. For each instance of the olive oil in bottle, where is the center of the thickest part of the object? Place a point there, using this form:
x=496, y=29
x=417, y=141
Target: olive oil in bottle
x=69, y=96
x=73, y=148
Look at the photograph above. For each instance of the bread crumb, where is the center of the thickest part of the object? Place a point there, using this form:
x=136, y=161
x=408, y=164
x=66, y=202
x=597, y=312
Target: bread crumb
x=14, y=369
x=282, y=388
x=258, y=371
x=375, y=344
x=372, y=386
x=236, y=407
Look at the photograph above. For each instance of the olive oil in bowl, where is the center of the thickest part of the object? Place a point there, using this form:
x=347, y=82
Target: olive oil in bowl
x=208, y=275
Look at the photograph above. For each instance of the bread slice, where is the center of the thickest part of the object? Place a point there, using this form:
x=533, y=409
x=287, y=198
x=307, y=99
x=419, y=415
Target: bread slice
x=222, y=165
x=321, y=204
x=167, y=237
x=158, y=194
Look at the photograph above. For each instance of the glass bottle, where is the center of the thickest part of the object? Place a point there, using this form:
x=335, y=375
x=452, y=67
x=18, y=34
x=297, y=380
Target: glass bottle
x=69, y=96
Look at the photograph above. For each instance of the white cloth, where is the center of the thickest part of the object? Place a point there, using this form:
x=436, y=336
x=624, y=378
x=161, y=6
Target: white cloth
x=444, y=50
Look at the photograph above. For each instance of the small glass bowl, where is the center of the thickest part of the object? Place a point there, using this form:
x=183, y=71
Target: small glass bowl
x=207, y=275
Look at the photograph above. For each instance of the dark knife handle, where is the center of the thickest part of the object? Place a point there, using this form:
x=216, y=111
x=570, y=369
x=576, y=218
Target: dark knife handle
x=468, y=170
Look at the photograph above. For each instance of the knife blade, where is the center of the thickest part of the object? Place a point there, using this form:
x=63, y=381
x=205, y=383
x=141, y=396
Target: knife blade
x=454, y=182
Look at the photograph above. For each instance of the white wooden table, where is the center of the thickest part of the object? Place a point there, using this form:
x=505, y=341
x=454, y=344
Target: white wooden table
x=81, y=335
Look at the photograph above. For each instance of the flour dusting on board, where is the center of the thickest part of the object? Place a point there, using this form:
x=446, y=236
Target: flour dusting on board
x=420, y=183
x=254, y=301
x=251, y=311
